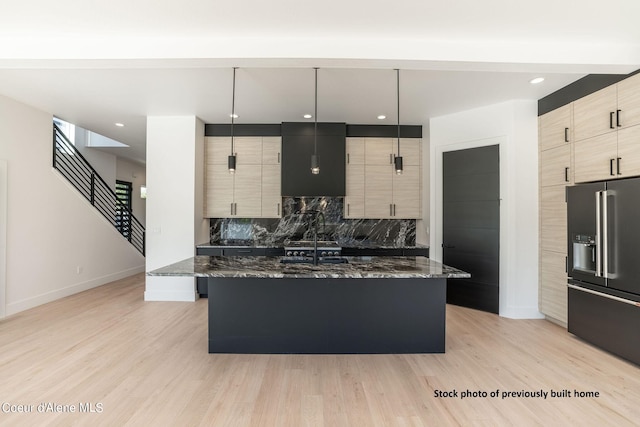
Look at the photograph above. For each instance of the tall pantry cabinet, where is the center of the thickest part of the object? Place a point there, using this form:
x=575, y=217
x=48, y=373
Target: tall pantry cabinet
x=555, y=130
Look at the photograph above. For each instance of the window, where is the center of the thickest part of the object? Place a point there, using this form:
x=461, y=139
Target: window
x=123, y=207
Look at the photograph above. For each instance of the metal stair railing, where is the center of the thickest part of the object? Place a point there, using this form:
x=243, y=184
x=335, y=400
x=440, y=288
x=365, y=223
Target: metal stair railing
x=77, y=170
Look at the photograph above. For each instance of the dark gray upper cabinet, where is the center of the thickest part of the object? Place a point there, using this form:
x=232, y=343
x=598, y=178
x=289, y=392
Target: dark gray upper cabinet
x=297, y=149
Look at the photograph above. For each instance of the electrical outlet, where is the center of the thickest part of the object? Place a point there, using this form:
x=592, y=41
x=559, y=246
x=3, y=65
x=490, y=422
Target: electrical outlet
x=79, y=269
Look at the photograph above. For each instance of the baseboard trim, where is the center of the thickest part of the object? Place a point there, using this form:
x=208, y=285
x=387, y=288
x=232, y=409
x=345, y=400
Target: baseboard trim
x=521, y=313
x=35, y=301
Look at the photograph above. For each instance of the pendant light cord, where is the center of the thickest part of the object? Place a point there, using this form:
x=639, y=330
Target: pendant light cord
x=398, y=93
x=233, y=106
x=315, y=115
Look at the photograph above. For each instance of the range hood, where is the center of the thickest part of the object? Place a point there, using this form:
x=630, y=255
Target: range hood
x=297, y=149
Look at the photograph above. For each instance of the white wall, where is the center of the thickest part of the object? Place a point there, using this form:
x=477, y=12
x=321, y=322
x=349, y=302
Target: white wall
x=136, y=174
x=3, y=236
x=57, y=243
x=175, y=223
x=513, y=126
x=104, y=163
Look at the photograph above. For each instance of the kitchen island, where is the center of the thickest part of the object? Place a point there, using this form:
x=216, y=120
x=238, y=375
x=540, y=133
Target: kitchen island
x=366, y=305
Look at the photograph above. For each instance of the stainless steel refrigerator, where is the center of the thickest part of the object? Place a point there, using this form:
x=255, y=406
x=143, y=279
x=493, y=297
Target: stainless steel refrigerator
x=603, y=265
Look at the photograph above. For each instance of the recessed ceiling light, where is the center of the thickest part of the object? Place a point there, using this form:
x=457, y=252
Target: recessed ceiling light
x=307, y=116
x=536, y=80
x=382, y=117
x=119, y=124
x=235, y=116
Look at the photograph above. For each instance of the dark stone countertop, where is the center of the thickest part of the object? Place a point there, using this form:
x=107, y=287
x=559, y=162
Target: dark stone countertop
x=271, y=267
x=251, y=244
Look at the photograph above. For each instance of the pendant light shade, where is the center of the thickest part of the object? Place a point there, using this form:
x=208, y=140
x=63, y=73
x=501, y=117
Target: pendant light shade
x=398, y=159
x=398, y=165
x=315, y=165
x=232, y=157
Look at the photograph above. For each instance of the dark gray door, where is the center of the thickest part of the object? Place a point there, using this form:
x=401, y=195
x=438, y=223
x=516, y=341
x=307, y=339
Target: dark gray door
x=471, y=225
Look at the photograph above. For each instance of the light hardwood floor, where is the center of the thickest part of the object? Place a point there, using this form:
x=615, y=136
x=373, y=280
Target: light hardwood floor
x=146, y=364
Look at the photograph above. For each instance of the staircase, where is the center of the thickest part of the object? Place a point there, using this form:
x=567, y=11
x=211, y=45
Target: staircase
x=75, y=168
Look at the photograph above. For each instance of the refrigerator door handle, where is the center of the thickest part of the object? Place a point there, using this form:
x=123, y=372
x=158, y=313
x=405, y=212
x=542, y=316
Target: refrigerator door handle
x=605, y=237
x=598, y=235
x=601, y=294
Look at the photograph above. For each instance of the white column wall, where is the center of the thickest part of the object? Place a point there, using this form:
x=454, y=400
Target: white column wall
x=57, y=244
x=3, y=237
x=513, y=126
x=175, y=222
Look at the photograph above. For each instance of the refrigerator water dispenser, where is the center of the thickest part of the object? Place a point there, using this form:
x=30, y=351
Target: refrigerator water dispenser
x=584, y=253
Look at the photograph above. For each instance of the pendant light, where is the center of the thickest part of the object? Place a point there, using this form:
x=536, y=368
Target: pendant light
x=398, y=159
x=315, y=165
x=232, y=157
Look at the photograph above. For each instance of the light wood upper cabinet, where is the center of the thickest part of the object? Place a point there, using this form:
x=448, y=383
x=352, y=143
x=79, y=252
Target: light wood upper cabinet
x=355, y=189
x=248, y=150
x=247, y=198
x=271, y=191
x=378, y=201
x=607, y=110
x=595, y=114
x=555, y=166
x=410, y=150
x=271, y=150
x=407, y=200
x=218, y=191
x=355, y=151
x=555, y=128
x=379, y=151
x=628, y=159
x=609, y=156
x=217, y=149
x=629, y=101
x=254, y=190
x=595, y=158
x=271, y=177
x=374, y=190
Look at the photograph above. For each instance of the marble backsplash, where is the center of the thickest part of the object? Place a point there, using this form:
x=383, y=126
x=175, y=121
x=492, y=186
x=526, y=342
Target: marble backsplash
x=296, y=221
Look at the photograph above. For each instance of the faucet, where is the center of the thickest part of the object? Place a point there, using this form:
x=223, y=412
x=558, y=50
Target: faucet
x=315, y=221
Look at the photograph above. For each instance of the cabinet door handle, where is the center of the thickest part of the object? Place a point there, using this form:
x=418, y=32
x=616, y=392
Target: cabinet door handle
x=347, y=157
x=618, y=118
x=611, y=166
x=566, y=134
x=618, y=165
x=566, y=174
x=390, y=209
x=611, y=120
x=348, y=209
x=231, y=212
x=390, y=159
x=394, y=209
x=278, y=210
x=278, y=158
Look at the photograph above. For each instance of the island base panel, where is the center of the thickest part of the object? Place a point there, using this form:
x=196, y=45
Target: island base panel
x=334, y=316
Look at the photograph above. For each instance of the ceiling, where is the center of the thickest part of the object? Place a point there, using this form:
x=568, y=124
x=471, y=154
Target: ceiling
x=121, y=61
